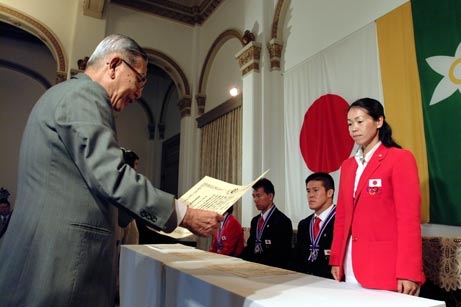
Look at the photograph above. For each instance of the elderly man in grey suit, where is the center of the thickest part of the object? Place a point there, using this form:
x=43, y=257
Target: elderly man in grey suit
x=59, y=248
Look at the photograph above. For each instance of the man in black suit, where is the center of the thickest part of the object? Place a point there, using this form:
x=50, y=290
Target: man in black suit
x=315, y=233
x=271, y=231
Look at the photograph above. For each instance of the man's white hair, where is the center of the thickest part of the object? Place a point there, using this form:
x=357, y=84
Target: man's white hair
x=117, y=43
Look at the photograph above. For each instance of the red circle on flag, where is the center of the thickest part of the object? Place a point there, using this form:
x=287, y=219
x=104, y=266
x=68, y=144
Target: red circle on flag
x=324, y=139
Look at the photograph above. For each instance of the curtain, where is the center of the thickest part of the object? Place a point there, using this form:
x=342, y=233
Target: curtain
x=221, y=155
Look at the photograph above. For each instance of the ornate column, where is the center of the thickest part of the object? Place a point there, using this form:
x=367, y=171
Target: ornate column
x=184, y=106
x=248, y=58
x=275, y=53
x=201, y=100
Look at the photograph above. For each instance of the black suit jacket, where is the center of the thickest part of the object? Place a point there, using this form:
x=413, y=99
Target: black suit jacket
x=320, y=266
x=276, y=241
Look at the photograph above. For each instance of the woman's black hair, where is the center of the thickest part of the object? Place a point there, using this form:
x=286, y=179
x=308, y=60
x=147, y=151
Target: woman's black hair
x=375, y=109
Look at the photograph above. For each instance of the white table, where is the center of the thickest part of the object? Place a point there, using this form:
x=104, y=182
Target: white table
x=158, y=276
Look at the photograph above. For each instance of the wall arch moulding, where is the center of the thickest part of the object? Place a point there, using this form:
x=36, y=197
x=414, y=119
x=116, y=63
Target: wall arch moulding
x=217, y=44
x=36, y=28
x=177, y=75
x=275, y=45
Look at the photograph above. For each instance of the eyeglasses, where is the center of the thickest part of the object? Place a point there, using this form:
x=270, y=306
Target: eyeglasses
x=139, y=78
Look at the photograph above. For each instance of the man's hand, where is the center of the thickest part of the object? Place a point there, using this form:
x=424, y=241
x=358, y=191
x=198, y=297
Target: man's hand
x=201, y=222
x=407, y=286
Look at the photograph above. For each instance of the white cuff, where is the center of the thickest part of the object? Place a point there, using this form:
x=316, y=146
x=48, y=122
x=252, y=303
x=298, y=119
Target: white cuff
x=181, y=209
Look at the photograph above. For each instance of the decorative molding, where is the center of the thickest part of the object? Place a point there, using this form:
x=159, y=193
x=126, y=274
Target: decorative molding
x=280, y=11
x=201, y=100
x=93, y=8
x=61, y=76
x=189, y=12
x=39, y=30
x=275, y=45
x=275, y=53
x=184, y=105
x=248, y=58
x=171, y=68
x=177, y=75
x=219, y=111
x=218, y=42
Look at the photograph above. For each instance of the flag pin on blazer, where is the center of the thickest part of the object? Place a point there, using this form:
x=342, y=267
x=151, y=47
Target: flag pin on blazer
x=374, y=183
x=374, y=186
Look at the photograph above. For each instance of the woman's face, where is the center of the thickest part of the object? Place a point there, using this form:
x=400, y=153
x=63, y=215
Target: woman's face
x=363, y=128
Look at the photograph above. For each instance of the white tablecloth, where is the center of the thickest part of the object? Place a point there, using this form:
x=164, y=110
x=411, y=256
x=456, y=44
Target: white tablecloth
x=151, y=276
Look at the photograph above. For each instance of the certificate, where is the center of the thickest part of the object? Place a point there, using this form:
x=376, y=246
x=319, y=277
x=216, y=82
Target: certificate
x=213, y=195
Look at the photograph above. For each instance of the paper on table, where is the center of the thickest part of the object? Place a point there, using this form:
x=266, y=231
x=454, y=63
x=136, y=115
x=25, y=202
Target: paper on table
x=250, y=269
x=213, y=195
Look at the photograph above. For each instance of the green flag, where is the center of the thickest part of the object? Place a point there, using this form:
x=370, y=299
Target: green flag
x=437, y=28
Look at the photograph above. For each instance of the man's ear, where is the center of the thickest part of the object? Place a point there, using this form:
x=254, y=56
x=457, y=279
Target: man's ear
x=114, y=62
x=330, y=193
x=271, y=196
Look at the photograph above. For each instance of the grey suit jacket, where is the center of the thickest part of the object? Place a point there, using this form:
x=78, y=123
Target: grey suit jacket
x=59, y=249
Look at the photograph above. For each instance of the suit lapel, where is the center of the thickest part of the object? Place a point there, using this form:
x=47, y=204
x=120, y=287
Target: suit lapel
x=270, y=220
x=374, y=163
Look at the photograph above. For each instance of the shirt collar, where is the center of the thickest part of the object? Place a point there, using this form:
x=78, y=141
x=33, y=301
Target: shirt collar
x=265, y=214
x=359, y=154
x=325, y=213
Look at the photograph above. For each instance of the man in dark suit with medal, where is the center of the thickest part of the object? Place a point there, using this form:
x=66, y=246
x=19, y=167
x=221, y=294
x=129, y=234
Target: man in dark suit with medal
x=315, y=233
x=271, y=231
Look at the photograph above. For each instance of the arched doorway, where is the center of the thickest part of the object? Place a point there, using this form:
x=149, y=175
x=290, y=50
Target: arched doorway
x=27, y=70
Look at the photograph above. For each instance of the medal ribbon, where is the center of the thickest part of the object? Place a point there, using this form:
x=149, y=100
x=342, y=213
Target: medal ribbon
x=314, y=247
x=259, y=233
x=220, y=232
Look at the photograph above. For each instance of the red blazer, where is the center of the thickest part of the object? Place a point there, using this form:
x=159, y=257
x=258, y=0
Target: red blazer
x=232, y=238
x=383, y=220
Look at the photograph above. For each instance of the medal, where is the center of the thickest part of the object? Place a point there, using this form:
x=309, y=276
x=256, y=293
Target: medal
x=259, y=233
x=315, y=247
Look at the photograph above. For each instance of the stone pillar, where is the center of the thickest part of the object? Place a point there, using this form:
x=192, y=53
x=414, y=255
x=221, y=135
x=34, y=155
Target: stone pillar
x=248, y=59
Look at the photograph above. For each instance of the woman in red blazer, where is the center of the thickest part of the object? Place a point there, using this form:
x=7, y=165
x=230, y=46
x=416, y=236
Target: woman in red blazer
x=228, y=240
x=377, y=234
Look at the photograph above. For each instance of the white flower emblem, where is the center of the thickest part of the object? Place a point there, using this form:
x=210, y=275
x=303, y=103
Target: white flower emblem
x=450, y=68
